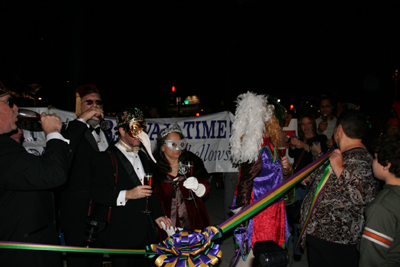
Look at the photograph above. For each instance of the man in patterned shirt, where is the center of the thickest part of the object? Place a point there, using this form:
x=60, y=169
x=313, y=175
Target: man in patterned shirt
x=336, y=223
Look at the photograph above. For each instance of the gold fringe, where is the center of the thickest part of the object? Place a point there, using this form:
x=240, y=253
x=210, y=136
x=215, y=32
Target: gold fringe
x=78, y=110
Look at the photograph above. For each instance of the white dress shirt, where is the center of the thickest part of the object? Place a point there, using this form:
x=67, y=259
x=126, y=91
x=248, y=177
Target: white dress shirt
x=137, y=165
x=100, y=139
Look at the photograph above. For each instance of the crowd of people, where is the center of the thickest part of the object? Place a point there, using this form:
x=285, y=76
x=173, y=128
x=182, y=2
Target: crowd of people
x=124, y=195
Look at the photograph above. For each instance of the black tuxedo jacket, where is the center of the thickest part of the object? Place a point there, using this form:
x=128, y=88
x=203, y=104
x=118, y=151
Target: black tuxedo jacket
x=75, y=194
x=129, y=227
x=26, y=202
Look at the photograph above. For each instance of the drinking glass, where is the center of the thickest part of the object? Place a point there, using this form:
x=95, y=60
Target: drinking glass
x=189, y=173
x=282, y=148
x=148, y=177
x=189, y=168
x=28, y=115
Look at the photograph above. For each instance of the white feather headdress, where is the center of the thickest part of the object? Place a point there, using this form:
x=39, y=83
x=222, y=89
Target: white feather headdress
x=252, y=111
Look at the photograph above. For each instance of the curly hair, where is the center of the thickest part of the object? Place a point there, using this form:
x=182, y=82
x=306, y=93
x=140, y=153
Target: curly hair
x=274, y=130
x=387, y=148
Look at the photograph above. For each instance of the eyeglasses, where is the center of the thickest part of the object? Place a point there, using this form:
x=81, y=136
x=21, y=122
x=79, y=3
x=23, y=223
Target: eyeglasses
x=9, y=101
x=90, y=102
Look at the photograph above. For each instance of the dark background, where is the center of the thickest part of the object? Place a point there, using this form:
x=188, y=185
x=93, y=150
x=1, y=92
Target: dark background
x=134, y=51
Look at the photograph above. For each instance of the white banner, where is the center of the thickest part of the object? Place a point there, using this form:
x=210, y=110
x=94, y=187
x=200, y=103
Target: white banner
x=208, y=135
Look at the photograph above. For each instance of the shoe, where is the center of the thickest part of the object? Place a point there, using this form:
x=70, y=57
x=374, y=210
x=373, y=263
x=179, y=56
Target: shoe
x=297, y=257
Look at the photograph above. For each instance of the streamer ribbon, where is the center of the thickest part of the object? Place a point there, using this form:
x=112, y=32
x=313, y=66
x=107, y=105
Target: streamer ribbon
x=272, y=195
x=314, y=200
x=33, y=246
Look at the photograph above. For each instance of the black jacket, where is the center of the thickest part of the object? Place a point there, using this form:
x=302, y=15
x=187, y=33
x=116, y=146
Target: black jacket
x=26, y=202
x=129, y=226
x=75, y=194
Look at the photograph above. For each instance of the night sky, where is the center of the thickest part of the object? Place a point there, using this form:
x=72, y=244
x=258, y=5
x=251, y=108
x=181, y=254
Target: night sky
x=135, y=52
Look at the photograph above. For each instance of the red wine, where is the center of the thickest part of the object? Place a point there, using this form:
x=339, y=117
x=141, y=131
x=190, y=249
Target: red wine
x=190, y=171
x=282, y=150
x=147, y=180
x=28, y=115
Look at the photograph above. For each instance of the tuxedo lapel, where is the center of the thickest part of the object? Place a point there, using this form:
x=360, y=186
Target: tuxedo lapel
x=145, y=161
x=107, y=135
x=128, y=167
x=92, y=142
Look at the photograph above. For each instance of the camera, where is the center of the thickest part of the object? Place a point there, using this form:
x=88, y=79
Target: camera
x=94, y=226
x=270, y=254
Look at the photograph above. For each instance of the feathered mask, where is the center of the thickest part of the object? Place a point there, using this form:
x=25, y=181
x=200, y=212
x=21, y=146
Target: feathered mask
x=252, y=111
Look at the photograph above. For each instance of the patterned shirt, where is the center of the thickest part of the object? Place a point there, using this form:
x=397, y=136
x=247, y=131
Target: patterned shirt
x=339, y=213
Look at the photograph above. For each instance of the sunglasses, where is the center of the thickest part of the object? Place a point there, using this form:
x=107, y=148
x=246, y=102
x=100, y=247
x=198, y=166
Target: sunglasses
x=90, y=102
x=9, y=101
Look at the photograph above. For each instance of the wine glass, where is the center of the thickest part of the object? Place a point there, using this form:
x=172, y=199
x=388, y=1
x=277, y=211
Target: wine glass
x=189, y=173
x=282, y=147
x=189, y=168
x=28, y=115
x=148, y=179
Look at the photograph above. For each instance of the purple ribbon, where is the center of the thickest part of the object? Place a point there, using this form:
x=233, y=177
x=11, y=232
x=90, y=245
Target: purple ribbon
x=184, y=245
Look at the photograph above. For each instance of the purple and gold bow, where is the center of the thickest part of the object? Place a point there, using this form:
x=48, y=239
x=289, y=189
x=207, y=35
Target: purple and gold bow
x=188, y=249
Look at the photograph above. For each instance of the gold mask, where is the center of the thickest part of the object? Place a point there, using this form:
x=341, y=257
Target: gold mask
x=135, y=128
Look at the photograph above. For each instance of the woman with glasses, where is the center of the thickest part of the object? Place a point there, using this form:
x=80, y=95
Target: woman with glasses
x=179, y=192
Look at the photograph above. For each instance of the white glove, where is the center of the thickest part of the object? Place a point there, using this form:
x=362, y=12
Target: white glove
x=192, y=183
x=169, y=231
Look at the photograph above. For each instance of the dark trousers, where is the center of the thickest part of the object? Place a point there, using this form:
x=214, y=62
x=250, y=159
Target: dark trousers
x=133, y=260
x=33, y=258
x=322, y=253
x=81, y=259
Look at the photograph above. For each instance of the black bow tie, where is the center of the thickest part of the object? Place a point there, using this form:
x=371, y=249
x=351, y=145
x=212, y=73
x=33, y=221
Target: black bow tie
x=97, y=130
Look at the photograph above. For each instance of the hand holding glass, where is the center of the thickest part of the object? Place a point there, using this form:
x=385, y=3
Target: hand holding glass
x=148, y=177
x=282, y=148
x=189, y=173
x=28, y=115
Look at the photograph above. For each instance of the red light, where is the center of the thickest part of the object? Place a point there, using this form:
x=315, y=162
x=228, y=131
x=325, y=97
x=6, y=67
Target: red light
x=291, y=107
x=173, y=88
x=197, y=114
